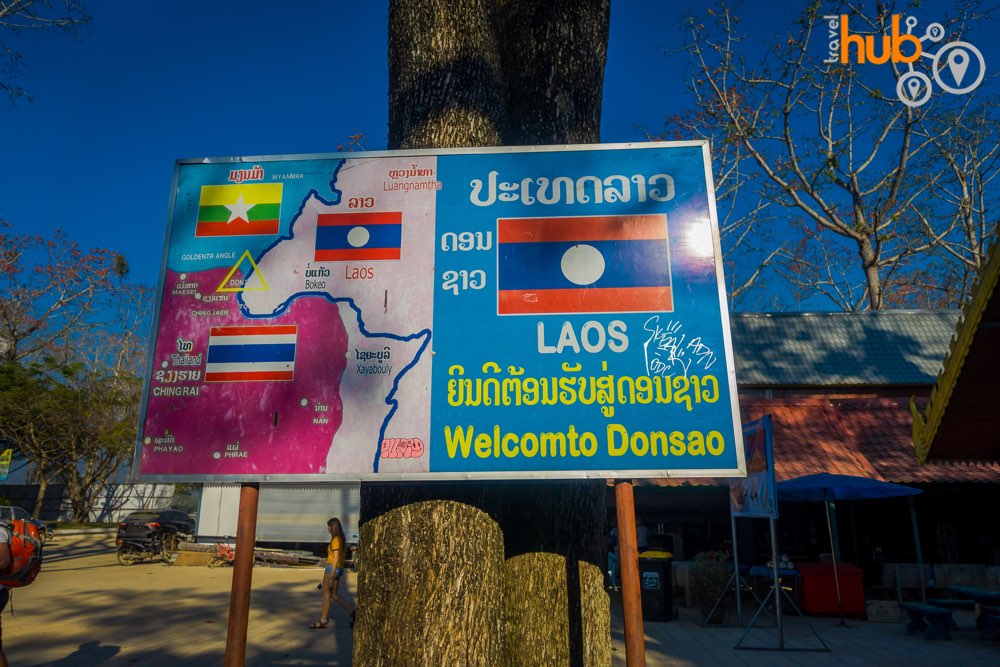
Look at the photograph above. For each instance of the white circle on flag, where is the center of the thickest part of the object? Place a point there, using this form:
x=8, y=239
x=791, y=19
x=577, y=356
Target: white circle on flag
x=358, y=237
x=582, y=264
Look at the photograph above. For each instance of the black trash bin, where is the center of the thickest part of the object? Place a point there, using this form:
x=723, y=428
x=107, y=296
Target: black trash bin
x=656, y=583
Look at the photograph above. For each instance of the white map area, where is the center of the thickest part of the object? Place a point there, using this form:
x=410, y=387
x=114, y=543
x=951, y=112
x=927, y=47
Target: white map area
x=395, y=303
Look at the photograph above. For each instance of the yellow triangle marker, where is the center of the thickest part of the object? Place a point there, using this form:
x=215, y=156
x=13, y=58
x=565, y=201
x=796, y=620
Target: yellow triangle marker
x=230, y=285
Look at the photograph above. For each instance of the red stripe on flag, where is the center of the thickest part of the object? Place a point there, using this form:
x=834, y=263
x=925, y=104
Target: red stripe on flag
x=249, y=376
x=359, y=219
x=586, y=300
x=238, y=227
x=594, y=228
x=356, y=254
x=255, y=331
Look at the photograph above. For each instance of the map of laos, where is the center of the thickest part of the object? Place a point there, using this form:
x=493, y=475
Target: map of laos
x=293, y=335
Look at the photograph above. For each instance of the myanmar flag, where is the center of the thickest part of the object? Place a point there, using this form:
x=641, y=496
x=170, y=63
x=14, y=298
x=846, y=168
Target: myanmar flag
x=247, y=209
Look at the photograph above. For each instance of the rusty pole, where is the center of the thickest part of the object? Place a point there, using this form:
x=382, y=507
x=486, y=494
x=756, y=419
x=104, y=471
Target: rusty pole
x=239, y=597
x=628, y=555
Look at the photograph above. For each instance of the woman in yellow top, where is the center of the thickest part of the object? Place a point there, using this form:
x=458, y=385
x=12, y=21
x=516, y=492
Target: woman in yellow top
x=336, y=554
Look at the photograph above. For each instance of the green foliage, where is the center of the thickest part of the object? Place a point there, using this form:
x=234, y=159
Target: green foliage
x=186, y=497
x=72, y=344
x=708, y=576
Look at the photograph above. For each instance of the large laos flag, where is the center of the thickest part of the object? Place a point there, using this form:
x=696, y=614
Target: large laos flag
x=592, y=264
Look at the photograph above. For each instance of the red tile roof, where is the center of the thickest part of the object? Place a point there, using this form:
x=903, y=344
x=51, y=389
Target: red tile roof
x=865, y=437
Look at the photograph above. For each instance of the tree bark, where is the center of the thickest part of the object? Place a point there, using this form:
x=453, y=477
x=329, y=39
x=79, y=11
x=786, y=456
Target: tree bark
x=433, y=585
x=553, y=55
x=557, y=611
x=445, y=84
x=430, y=580
x=430, y=584
x=43, y=486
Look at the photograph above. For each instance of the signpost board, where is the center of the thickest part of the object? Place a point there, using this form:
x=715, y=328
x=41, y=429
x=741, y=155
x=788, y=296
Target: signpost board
x=755, y=495
x=5, y=458
x=554, y=312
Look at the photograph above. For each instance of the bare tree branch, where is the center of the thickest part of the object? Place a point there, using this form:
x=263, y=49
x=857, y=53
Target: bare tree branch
x=867, y=194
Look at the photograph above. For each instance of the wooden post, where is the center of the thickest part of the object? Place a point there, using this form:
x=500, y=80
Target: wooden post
x=239, y=597
x=628, y=556
x=920, y=553
x=778, y=592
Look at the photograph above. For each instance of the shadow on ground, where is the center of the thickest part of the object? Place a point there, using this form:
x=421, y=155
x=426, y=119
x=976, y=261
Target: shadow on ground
x=85, y=610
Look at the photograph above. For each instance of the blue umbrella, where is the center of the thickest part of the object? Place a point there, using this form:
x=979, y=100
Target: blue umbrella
x=825, y=486
x=829, y=488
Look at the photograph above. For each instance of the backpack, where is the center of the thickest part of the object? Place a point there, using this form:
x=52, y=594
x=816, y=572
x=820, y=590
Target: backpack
x=25, y=553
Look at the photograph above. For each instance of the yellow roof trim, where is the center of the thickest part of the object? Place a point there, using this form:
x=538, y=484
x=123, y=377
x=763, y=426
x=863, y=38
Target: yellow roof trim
x=926, y=424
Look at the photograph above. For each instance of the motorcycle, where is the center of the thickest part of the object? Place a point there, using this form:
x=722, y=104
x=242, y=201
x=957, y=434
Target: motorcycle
x=131, y=552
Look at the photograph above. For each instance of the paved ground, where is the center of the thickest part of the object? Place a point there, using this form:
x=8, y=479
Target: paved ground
x=686, y=642
x=85, y=610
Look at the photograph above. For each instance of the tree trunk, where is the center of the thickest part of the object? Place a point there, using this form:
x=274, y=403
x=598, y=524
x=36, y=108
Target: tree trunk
x=445, y=85
x=869, y=264
x=557, y=611
x=553, y=56
x=430, y=581
x=433, y=587
x=430, y=588
x=43, y=485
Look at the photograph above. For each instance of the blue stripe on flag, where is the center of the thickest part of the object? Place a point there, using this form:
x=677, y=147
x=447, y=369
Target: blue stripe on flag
x=537, y=266
x=334, y=237
x=223, y=354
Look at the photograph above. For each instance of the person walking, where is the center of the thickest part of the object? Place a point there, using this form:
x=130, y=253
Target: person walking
x=4, y=591
x=336, y=554
x=641, y=534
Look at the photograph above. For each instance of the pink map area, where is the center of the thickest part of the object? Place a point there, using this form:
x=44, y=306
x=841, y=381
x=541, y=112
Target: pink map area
x=233, y=428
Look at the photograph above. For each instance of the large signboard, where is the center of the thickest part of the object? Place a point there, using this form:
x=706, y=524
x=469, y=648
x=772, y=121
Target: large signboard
x=754, y=495
x=487, y=313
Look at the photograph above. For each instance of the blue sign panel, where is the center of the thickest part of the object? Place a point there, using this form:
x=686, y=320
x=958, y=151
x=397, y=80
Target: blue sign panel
x=754, y=495
x=482, y=313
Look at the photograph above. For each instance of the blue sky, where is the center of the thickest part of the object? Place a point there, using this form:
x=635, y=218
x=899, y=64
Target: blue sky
x=148, y=83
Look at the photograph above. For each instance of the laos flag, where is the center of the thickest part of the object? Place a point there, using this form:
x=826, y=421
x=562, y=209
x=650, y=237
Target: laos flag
x=585, y=264
x=251, y=354
x=345, y=237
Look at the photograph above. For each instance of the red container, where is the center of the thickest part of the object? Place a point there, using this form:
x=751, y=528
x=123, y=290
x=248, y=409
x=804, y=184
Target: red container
x=818, y=593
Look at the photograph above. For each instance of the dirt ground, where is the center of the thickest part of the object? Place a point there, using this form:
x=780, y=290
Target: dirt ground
x=86, y=610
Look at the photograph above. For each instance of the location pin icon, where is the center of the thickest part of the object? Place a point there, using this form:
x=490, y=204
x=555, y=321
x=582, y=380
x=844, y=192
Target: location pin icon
x=913, y=85
x=958, y=62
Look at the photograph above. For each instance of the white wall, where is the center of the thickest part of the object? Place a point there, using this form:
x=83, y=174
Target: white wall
x=121, y=499
x=285, y=512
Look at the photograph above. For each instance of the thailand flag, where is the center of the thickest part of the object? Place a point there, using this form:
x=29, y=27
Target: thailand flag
x=249, y=354
x=343, y=237
x=591, y=264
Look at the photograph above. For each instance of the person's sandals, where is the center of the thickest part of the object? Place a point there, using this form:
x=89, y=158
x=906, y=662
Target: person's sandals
x=319, y=625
